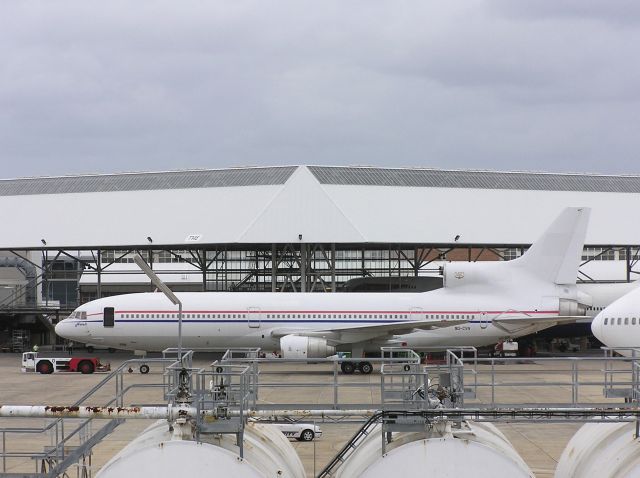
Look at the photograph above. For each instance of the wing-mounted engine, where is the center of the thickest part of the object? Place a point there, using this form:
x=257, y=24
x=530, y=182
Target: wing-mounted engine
x=301, y=346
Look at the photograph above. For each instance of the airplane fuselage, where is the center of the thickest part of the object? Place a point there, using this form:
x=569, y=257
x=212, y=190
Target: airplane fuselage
x=222, y=320
x=618, y=325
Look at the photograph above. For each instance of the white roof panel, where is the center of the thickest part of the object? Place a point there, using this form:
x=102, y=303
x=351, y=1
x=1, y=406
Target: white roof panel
x=324, y=204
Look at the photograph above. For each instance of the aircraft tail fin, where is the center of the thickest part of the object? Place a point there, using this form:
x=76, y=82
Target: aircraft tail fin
x=555, y=256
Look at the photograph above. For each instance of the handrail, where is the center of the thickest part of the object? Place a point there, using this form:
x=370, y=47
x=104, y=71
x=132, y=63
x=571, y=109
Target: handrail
x=351, y=444
x=76, y=430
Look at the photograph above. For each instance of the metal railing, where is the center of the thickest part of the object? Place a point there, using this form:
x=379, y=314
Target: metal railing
x=583, y=379
x=461, y=386
x=72, y=439
x=327, y=371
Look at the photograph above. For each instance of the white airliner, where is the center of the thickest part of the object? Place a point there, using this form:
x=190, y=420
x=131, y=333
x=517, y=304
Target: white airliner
x=479, y=304
x=618, y=325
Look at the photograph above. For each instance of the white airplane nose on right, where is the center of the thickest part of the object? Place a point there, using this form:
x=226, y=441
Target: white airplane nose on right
x=596, y=327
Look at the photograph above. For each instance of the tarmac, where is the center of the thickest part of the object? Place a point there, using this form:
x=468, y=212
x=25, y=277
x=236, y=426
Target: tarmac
x=539, y=381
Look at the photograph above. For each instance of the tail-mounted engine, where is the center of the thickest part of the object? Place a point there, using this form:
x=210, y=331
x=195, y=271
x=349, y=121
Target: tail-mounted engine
x=571, y=307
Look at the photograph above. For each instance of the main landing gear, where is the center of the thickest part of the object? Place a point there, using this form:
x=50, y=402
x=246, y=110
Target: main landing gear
x=348, y=368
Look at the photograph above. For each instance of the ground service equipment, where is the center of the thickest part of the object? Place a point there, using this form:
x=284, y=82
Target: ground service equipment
x=31, y=362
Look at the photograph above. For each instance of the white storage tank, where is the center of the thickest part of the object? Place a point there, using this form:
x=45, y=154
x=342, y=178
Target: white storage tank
x=479, y=450
x=159, y=453
x=601, y=450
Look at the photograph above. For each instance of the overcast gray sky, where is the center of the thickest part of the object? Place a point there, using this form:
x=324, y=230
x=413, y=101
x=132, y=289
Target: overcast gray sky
x=153, y=85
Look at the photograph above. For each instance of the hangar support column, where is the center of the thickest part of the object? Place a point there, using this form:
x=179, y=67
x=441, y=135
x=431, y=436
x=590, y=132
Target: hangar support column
x=99, y=274
x=303, y=267
x=274, y=268
x=333, y=267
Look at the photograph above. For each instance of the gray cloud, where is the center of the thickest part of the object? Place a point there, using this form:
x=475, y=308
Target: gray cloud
x=88, y=86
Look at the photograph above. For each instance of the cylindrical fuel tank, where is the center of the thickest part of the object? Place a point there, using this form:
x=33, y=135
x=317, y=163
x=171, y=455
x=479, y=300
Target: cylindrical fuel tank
x=602, y=450
x=477, y=449
x=156, y=452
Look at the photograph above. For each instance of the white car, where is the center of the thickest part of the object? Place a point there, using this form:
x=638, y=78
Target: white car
x=299, y=431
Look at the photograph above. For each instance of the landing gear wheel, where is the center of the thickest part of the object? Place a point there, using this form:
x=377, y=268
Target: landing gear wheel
x=144, y=369
x=90, y=349
x=307, y=435
x=85, y=367
x=347, y=368
x=45, y=367
x=365, y=367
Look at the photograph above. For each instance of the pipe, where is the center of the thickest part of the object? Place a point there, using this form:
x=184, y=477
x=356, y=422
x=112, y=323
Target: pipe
x=172, y=412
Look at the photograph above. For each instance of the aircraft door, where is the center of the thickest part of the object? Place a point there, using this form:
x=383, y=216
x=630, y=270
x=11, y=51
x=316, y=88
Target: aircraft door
x=253, y=317
x=417, y=314
x=484, y=320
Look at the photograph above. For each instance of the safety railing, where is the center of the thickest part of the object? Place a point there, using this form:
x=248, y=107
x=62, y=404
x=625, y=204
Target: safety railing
x=321, y=379
x=587, y=381
x=71, y=440
x=617, y=383
x=226, y=391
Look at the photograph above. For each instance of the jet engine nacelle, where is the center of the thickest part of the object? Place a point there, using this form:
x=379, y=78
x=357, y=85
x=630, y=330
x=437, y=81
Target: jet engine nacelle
x=299, y=346
x=570, y=307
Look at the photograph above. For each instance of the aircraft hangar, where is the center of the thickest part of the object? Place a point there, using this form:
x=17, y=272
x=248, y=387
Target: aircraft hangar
x=70, y=239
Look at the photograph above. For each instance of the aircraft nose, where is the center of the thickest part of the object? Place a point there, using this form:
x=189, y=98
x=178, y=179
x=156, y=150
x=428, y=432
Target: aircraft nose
x=65, y=329
x=60, y=329
x=596, y=327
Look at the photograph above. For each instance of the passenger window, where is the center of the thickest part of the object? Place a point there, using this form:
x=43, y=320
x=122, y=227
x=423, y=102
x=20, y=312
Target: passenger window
x=633, y=321
x=626, y=321
x=605, y=321
x=619, y=321
x=108, y=318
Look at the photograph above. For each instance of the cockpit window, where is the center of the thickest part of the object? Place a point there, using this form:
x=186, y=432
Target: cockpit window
x=83, y=315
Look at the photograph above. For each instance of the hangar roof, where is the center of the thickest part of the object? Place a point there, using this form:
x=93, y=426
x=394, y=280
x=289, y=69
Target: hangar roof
x=323, y=204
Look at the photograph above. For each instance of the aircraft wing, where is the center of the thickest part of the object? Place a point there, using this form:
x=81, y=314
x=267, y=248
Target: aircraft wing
x=513, y=325
x=358, y=333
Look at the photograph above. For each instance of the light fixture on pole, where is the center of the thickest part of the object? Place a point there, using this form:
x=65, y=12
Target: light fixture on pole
x=137, y=258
